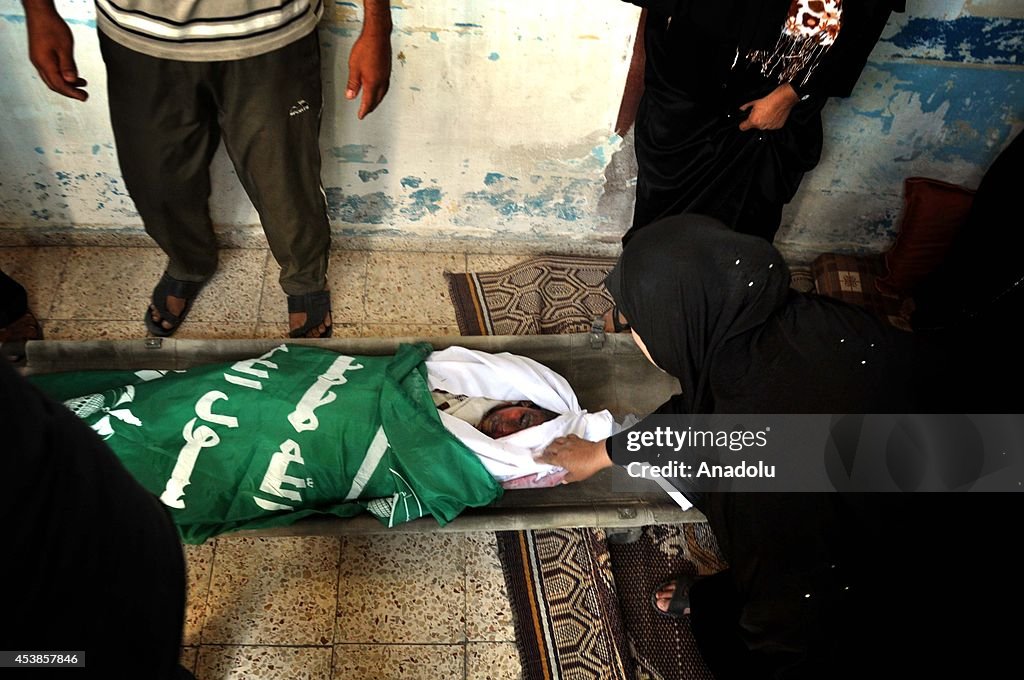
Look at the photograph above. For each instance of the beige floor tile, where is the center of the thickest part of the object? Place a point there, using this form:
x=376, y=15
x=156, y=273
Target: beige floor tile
x=188, y=657
x=39, y=271
x=410, y=330
x=233, y=294
x=280, y=330
x=410, y=288
x=493, y=661
x=430, y=591
x=359, y=330
x=263, y=663
x=477, y=263
x=488, y=611
x=346, y=275
x=272, y=591
x=64, y=329
x=108, y=284
x=117, y=284
x=70, y=329
x=195, y=329
x=408, y=662
x=199, y=564
x=397, y=588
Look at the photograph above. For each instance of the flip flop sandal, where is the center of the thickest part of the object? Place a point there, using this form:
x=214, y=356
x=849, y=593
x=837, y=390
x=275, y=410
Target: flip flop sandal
x=170, y=286
x=680, y=599
x=317, y=307
x=619, y=326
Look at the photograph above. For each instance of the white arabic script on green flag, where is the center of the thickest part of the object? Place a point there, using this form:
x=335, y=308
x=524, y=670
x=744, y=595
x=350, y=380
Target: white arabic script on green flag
x=295, y=432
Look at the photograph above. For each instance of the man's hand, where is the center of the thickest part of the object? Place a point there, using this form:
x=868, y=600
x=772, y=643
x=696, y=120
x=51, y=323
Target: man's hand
x=369, y=63
x=51, y=50
x=580, y=457
x=771, y=111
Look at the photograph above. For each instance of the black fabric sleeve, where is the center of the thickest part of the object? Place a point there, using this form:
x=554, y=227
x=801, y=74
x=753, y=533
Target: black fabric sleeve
x=96, y=561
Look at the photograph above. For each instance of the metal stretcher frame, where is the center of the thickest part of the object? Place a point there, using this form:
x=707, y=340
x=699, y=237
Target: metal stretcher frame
x=606, y=371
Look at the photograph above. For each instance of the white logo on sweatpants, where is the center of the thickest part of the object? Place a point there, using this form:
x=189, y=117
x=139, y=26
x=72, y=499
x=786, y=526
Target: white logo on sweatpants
x=300, y=106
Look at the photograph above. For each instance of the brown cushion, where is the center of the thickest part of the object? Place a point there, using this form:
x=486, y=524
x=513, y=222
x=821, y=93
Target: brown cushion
x=933, y=211
x=851, y=278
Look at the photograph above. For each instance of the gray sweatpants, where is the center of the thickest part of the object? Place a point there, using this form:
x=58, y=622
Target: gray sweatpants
x=168, y=118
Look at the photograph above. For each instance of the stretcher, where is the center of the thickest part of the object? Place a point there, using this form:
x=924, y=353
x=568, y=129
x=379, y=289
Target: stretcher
x=607, y=371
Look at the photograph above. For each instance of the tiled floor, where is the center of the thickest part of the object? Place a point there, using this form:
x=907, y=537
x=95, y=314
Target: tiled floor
x=383, y=606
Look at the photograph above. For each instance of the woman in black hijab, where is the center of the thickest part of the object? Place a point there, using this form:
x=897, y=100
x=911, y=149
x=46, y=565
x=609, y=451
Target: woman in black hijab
x=805, y=595
x=715, y=309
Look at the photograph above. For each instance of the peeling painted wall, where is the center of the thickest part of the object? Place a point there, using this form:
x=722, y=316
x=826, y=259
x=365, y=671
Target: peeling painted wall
x=498, y=121
x=943, y=93
x=498, y=126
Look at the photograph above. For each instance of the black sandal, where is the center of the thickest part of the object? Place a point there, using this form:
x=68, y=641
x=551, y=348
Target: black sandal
x=619, y=326
x=680, y=600
x=170, y=286
x=317, y=307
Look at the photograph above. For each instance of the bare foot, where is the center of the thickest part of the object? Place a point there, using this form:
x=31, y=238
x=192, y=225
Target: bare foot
x=175, y=305
x=663, y=597
x=609, y=325
x=297, y=319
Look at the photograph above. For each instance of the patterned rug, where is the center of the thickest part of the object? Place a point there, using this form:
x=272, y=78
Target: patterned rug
x=582, y=606
x=544, y=295
x=564, y=605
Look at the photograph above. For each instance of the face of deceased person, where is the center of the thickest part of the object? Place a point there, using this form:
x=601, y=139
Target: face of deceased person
x=507, y=420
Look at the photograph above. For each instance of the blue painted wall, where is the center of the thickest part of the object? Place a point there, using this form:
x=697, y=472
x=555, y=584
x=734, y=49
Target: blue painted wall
x=498, y=129
x=943, y=93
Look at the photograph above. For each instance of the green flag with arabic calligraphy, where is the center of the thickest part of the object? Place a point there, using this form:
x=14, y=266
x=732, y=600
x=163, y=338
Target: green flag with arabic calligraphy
x=298, y=431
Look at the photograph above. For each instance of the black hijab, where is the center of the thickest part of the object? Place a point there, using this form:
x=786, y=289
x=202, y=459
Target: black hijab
x=715, y=310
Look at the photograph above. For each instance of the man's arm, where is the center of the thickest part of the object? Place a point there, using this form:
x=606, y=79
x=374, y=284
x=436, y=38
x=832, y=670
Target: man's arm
x=369, y=64
x=51, y=49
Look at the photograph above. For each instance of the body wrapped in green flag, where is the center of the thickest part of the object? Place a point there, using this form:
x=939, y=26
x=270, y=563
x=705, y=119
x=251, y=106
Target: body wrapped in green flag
x=298, y=431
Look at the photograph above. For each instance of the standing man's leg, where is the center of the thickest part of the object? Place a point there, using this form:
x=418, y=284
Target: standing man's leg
x=165, y=127
x=270, y=108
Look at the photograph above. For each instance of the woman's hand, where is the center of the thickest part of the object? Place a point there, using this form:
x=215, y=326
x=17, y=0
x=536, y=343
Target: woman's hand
x=771, y=111
x=580, y=457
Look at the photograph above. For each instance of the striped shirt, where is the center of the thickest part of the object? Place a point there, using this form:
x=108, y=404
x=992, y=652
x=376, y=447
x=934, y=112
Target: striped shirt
x=207, y=30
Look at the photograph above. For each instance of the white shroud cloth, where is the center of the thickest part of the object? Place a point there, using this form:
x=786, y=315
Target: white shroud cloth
x=510, y=377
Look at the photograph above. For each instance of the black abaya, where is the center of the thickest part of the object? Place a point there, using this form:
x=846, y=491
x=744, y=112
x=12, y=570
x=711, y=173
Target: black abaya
x=691, y=154
x=820, y=585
